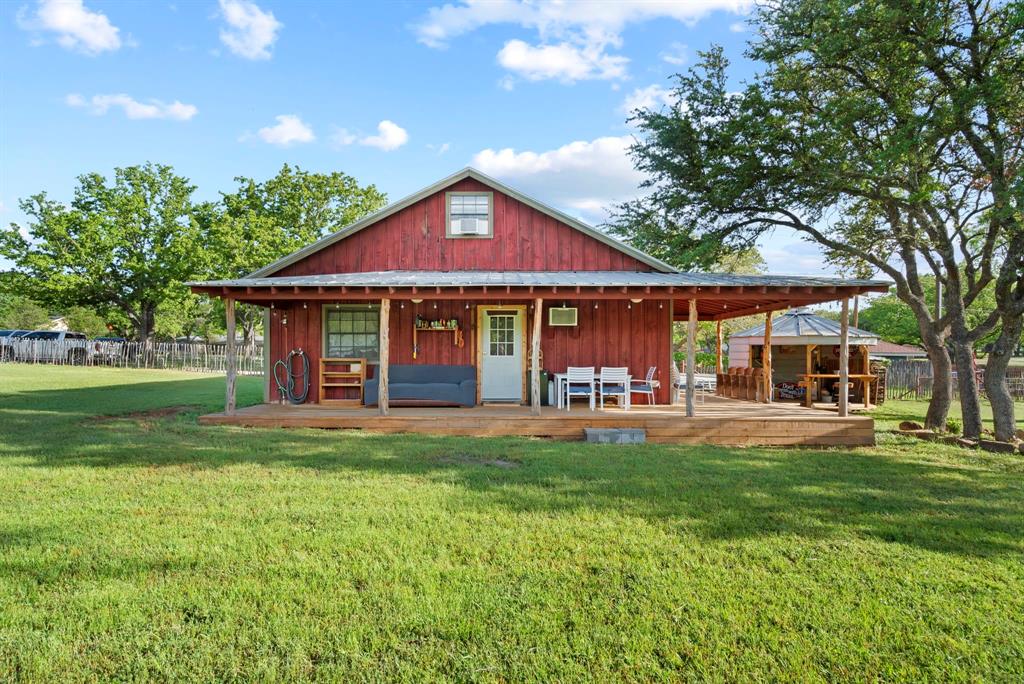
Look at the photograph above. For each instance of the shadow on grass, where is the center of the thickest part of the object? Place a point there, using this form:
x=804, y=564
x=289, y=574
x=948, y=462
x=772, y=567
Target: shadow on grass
x=715, y=493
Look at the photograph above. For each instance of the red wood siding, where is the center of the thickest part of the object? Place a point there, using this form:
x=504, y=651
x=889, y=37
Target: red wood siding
x=414, y=239
x=616, y=333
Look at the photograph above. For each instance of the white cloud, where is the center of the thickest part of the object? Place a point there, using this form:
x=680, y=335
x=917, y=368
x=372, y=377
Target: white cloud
x=651, y=97
x=342, y=136
x=289, y=129
x=675, y=55
x=563, y=61
x=390, y=136
x=77, y=28
x=583, y=177
x=575, y=37
x=133, y=109
x=439, y=149
x=251, y=31
x=738, y=27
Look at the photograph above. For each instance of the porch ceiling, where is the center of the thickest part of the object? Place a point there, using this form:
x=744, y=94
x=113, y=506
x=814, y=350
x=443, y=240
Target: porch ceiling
x=718, y=295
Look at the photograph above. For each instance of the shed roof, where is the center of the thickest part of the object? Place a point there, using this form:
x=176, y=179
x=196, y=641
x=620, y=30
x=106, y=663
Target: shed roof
x=803, y=327
x=467, y=172
x=538, y=278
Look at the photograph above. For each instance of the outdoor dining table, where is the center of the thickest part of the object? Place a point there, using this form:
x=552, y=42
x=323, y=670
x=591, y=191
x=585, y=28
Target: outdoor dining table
x=864, y=379
x=560, y=387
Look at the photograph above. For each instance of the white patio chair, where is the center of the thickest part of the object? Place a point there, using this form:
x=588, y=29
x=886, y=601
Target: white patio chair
x=614, y=382
x=647, y=385
x=579, y=382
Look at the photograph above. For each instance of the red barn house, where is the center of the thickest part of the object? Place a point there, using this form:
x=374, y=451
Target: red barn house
x=463, y=293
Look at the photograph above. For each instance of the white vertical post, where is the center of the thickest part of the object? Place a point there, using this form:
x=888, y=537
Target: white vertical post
x=382, y=369
x=230, y=359
x=691, y=356
x=538, y=315
x=844, y=360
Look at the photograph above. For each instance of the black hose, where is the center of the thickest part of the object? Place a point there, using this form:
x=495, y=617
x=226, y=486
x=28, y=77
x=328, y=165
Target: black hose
x=286, y=386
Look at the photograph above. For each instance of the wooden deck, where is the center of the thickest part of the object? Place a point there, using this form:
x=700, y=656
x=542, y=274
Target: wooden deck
x=718, y=421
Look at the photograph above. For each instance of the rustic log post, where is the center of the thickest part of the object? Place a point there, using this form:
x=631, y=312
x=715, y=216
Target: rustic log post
x=266, y=355
x=538, y=315
x=691, y=356
x=844, y=359
x=230, y=357
x=766, y=361
x=382, y=369
x=718, y=347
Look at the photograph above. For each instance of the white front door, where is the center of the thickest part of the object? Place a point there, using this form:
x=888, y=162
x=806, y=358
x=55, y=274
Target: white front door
x=501, y=371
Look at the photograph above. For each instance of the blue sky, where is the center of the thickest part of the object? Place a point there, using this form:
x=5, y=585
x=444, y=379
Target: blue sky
x=398, y=94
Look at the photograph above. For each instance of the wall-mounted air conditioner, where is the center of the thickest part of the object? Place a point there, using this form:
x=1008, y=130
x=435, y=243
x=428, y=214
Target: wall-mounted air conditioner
x=565, y=316
x=469, y=226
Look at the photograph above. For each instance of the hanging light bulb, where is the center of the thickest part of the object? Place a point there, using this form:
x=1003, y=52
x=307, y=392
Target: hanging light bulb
x=304, y=305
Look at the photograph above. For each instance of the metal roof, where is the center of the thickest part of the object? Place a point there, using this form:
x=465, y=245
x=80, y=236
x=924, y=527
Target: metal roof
x=538, y=278
x=467, y=172
x=802, y=325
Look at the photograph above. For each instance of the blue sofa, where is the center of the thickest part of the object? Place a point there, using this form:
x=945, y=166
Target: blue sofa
x=426, y=384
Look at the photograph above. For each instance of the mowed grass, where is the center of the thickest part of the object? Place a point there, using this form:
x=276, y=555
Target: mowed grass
x=150, y=548
x=890, y=414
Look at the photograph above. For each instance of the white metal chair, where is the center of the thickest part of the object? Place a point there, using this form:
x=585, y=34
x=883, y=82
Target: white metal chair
x=700, y=385
x=647, y=385
x=579, y=382
x=614, y=382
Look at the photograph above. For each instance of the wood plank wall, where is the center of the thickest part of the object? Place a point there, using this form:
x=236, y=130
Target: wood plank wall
x=414, y=239
x=615, y=333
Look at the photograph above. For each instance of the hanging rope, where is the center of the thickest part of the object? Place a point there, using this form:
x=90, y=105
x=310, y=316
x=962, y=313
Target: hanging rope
x=287, y=380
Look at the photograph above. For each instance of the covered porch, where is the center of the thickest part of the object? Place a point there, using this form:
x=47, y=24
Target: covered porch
x=720, y=421
x=618, y=319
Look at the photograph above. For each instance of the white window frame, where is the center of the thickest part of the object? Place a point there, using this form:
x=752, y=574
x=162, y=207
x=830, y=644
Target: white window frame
x=448, y=213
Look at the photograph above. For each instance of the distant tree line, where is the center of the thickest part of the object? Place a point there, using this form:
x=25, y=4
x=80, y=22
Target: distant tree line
x=116, y=256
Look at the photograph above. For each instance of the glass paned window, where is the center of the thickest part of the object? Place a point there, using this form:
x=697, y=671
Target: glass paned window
x=503, y=335
x=470, y=206
x=352, y=332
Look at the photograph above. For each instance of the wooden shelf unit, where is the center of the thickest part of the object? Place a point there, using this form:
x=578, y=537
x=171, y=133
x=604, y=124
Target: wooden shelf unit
x=345, y=374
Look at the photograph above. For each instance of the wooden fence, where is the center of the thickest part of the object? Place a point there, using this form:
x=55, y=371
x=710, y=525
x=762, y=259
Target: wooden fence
x=911, y=379
x=197, y=357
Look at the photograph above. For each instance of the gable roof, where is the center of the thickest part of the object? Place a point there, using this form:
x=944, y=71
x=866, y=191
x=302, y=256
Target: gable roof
x=802, y=325
x=467, y=172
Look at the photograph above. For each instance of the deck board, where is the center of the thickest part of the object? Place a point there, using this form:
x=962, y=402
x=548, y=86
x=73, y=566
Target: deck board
x=718, y=421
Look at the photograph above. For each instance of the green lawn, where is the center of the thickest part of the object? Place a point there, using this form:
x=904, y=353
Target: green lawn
x=890, y=414
x=151, y=548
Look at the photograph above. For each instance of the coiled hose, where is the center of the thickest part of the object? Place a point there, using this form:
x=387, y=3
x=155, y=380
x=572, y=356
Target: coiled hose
x=286, y=383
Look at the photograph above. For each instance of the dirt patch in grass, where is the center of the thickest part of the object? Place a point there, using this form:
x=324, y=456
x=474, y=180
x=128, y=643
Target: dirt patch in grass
x=151, y=414
x=466, y=459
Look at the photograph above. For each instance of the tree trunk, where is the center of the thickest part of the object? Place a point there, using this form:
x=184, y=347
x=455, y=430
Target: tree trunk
x=970, y=398
x=942, y=385
x=995, y=378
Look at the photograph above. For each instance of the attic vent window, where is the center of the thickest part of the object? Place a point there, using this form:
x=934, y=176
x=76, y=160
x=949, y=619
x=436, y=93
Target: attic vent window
x=470, y=214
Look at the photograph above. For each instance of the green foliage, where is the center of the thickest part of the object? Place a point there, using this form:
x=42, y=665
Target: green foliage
x=122, y=247
x=263, y=221
x=142, y=547
x=21, y=313
x=81, y=319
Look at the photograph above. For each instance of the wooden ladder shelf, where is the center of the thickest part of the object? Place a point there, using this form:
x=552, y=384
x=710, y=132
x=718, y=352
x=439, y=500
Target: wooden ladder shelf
x=342, y=374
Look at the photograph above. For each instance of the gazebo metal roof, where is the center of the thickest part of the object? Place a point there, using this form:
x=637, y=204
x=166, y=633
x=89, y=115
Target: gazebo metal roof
x=800, y=326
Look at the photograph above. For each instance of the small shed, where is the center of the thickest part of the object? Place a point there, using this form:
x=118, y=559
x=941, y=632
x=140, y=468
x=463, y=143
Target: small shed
x=802, y=343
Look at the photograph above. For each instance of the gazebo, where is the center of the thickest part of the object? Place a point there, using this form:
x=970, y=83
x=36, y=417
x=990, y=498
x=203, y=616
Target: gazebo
x=805, y=355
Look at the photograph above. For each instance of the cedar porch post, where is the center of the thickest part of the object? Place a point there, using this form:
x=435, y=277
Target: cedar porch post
x=766, y=361
x=691, y=356
x=844, y=359
x=538, y=315
x=230, y=356
x=718, y=347
x=382, y=369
